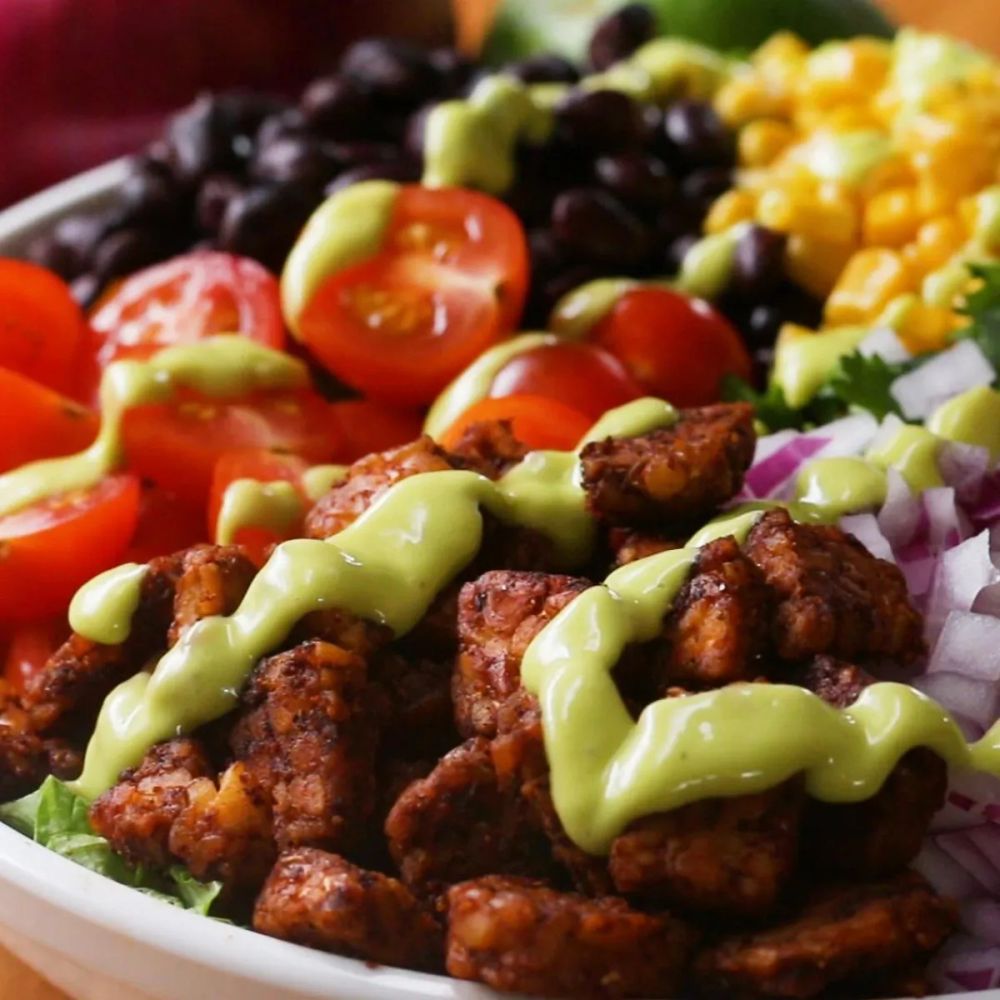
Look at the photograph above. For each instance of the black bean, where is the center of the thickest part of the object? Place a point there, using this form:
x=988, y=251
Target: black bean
x=149, y=194
x=244, y=110
x=599, y=120
x=453, y=68
x=68, y=249
x=214, y=195
x=264, y=221
x=798, y=306
x=697, y=134
x=363, y=152
x=285, y=124
x=336, y=107
x=638, y=180
x=296, y=160
x=545, y=67
x=402, y=171
x=128, y=250
x=413, y=136
x=554, y=289
x=597, y=228
x=701, y=187
x=763, y=323
x=547, y=256
x=619, y=34
x=677, y=251
x=758, y=262
x=200, y=140
x=393, y=70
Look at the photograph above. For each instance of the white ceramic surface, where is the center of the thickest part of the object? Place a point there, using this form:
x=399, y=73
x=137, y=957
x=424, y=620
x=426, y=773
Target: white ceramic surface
x=101, y=941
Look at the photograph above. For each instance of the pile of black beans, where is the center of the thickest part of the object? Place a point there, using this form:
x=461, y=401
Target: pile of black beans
x=620, y=187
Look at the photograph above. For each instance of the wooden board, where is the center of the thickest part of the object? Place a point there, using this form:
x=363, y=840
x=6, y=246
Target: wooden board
x=973, y=19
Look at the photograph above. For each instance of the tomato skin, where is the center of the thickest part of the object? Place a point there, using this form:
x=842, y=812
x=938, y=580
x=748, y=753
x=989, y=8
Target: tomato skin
x=537, y=421
x=40, y=323
x=36, y=422
x=448, y=283
x=677, y=348
x=584, y=377
x=48, y=550
x=166, y=525
x=186, y=299
x=176, y=445
x=365, y=426
x=29, y=649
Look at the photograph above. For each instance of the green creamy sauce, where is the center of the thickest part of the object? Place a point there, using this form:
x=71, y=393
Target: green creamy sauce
x=472, y=142
x=972, y=418
x=474, y=383
x=583, y=307
x=320, y=479
x=103, y=609
x=219, y=366
x=386, y=567
x=842, y=485
x=923, y=61
x=911, y=451
x=845, y=157
x=348, y=228
x=804, y=360
x=707, y=266
x=249, y=503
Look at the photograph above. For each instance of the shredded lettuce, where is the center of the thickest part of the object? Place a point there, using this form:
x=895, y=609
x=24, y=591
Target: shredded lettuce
x=57, y=818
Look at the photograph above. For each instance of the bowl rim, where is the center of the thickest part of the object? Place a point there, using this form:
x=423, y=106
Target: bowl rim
x=216, y=947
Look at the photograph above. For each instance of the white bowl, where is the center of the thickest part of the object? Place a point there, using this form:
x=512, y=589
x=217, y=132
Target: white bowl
x=101, y=941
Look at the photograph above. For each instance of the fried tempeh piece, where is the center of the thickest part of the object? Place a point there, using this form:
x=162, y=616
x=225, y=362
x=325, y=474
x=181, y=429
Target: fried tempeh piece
x=310, y=726
x=731, y=856
x=628, y=545
x=521, y=936
x=718, y=629
x=488, y=447
x=458, y=823
x=833, y=595
x=498, y=616
x=881, y=835
x=367, y=480
x=672, y=476
x=845, y=934
x=323, y=901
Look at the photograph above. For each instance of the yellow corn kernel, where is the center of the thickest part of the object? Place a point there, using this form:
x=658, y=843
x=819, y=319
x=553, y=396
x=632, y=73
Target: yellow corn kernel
x=781, y=57
x=816, y=264
x=938, y=240
x=749, y=97
x=925, y=328
x=891, y=173
x=762, y=142
x=872, y=278
x=729, y=209
x=891, y=218
x=826, y=222
x=840, y=72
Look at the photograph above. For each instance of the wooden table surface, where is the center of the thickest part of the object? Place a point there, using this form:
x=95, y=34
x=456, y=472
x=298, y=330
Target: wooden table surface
x=973, y=19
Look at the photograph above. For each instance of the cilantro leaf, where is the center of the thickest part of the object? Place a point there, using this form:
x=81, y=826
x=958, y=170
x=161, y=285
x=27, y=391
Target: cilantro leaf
x=865, y=381
x=770, y=406
x=982, y=306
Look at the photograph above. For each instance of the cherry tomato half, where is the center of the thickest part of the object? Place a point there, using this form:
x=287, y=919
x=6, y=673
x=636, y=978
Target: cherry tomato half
x=29, y=649
x=36, y=422
x=538, y=422
x=49, y=549
x=185, y=300
x=448, y=283
x=166, y=525
x=252, y=463
x=582, y=376
x=676, y=347
x=40, y=323
x=365, y=426
x=176, y=445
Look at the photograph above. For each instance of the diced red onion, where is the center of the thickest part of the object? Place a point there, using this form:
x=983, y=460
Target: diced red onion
x=969, y=644
x=964, y=466
x=900, y=514
x=947, y=525
x=883, y=342
x=865, y=528
x=962, y=572
x=949, y=373
x=975, y=699
x=782, y=462
x=981, y=918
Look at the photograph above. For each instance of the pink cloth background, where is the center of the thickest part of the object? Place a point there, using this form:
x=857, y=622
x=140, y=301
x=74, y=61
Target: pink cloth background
x=82, y=81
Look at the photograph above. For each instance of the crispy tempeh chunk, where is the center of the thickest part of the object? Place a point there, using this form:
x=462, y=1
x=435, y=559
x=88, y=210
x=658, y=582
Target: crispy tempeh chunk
x=717, y=631
x=672, y=476
x=323, y=901
x=628, y=545
x=845, y=934
x=521, y=936
x=730, y=856
x=488, y=447
x=498, y=616
x=310, y=726
x=367, y=480
x=833, y=595
x=458, y=823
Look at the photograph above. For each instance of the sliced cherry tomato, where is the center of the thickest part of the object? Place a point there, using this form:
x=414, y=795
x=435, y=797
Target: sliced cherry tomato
x=49, y=549
x=36, y=422
x=538, y=422
x=30, y=647
x=40, y=323
x=176, y=445
x=449, y=282
x=167, y=524
x=582, y=376
x=676, y=347
x=185, y=300
x=265, y=466
x=365, y=427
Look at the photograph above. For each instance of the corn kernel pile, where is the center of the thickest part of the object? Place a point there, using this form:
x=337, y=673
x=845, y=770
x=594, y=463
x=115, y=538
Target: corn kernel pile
x=881, y=162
